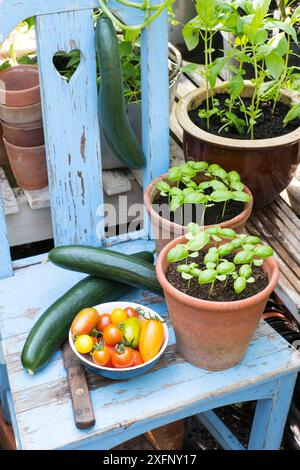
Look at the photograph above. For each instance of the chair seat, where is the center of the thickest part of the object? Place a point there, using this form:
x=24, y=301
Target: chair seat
x=174, y=389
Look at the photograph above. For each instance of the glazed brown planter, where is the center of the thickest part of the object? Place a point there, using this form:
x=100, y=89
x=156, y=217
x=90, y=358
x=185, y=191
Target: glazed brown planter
x=266, y=166
x=164, y=230
x=19, y=86
x=28, y=165
x=21, y=115
x=32, y=136
x=3, y=154
x=213, y=335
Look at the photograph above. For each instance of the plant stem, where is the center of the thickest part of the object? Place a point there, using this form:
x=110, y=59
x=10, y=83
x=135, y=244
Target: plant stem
x=224, y=209
x=206, y=77
x=281, y=7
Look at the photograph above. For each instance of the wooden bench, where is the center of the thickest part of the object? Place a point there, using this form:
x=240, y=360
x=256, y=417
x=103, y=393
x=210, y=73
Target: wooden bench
x=39, y=406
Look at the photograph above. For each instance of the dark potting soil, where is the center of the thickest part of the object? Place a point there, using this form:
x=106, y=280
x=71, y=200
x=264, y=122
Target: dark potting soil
x=268, y=125
x=194, y=213
x=219, y=293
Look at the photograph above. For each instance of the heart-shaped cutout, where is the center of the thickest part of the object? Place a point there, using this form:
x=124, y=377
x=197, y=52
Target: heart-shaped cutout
x=66, y=63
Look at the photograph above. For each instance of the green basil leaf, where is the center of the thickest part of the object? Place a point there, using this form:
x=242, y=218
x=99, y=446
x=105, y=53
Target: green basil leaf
x=240, y=285
x=178, y=253
x=163, y=186
x=263, y=251
x=243, y=257
x=226, y=267
x=207, y=276
x=220, y=196
x=240, y=196
x=245, y=271
x=225, y=249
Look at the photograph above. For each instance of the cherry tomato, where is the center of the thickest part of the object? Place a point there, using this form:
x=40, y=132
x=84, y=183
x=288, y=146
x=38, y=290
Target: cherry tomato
x=118, y=315
x=131, y=329
x=95, y=339
x=84, y=322
x=137, y=358
x=151, y=338
x=122, y=357
x=103, y=321
x=131, y=312
x=102, y=355
x=112, y=335
x=84, y=344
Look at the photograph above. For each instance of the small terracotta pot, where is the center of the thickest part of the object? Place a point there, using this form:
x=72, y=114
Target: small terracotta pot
x=21, y=115
x=164, y=230
x=19, y=86
x=3, y=154
x=213, y=335
x=259, y=162
x=32, y=136
x=28, y=165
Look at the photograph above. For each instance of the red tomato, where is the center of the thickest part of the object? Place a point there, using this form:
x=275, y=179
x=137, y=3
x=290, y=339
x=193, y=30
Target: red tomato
x=112, y=335
x=95, y=339
x=103, y=321
x=102, y=355
x=122, y=357
x=131, y=312
x=137, y=358
x=84, y=322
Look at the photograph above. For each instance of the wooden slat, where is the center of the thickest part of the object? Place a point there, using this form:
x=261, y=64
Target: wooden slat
x=155, y=99
x=72, y=146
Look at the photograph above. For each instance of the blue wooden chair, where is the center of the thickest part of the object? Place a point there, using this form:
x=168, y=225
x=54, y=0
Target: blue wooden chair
x=39, y=406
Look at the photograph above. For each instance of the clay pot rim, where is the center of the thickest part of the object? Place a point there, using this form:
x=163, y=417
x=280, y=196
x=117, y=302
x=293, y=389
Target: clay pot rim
x=198, y=95
x=20, y=108
x=216, y=307
x=234, y=222
x=25, y=90
x=15, y=128
x=10, y=145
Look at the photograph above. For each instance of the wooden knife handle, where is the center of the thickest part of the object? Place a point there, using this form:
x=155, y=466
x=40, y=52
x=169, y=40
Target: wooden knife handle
x=81, y=401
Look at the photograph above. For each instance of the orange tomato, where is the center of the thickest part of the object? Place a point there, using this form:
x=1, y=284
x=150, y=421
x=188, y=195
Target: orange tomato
x=103, y=321
x=137, y=358
x=102, y=355
x=112, y=335
x=84, y=322
x=122, y=357
x=151, y=339
x=118, y=315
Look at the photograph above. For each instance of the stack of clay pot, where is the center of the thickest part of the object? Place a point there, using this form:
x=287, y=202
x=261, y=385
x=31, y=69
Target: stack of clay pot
x=21, y=120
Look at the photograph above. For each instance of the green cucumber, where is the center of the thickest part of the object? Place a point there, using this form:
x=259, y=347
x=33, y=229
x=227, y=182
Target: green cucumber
x=113, y=116
x=107, y=264
x=52, y=328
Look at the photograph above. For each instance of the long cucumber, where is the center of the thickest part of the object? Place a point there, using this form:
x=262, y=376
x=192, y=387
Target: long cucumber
x=107, y=264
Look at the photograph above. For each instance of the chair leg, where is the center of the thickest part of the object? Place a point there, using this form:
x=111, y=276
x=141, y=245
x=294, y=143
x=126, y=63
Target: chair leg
x=270, y=416
x=4, y=386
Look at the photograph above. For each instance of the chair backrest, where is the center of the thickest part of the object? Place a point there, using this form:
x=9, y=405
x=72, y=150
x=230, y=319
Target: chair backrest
x=70, y=112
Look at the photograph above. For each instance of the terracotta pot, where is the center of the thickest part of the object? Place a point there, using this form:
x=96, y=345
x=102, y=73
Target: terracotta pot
x=28, y=165
x=21, y=115
x=19, y=86
x=3, y=154
x=164, y=230
x=260, y=162
x=213, y=335
x=32, y=136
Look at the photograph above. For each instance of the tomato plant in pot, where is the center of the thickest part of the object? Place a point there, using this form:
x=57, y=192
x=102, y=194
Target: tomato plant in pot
x=196, y=192
x=244, y=125
x=216, y=284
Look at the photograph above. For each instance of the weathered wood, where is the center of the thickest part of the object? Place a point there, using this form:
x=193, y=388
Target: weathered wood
x=155, y=98
x=9, y=201
x=5, y=263
x=84, y=416
x=73, y=149
x=38, y=199
x=221, y=433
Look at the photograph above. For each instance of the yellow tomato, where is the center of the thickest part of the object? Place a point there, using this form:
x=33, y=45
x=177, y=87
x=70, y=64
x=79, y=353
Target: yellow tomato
x=151, y=339
x=84, y=344
x=118, y=315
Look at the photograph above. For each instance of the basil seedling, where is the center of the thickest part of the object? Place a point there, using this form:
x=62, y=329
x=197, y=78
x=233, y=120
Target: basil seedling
x=248, y=251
